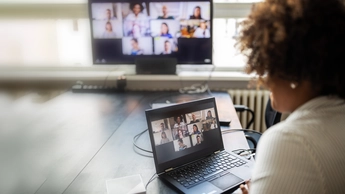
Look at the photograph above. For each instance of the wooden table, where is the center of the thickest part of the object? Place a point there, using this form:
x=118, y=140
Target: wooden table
x=73, y=143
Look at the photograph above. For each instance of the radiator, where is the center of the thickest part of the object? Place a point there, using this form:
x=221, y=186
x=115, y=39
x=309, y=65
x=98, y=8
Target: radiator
x=255, y=100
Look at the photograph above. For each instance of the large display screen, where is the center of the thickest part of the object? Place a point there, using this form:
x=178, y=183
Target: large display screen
x=123, y=31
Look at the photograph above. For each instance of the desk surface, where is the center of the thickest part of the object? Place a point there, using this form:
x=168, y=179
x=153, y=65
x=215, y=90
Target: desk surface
x=73, y=143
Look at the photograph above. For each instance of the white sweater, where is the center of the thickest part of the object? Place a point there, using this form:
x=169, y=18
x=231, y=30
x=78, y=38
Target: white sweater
x=304, y=153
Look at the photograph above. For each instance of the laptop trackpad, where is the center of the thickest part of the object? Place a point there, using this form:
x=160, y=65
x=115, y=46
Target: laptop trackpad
x=227, y=181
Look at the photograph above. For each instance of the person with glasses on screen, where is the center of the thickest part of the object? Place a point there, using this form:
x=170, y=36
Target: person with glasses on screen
x=202, y=31
x=295, y=49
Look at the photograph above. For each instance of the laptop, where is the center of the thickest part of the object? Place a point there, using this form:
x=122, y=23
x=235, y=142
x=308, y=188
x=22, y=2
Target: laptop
x=188, y=149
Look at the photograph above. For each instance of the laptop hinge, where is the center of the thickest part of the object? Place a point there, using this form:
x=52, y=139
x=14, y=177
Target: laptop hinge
x=216, y=152
x=169, y=169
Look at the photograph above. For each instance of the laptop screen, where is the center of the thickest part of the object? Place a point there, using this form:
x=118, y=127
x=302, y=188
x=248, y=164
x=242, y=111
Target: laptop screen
x=184, y=132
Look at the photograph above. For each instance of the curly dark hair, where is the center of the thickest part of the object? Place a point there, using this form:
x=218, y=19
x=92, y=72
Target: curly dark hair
x=297, y=40
x=132, y=4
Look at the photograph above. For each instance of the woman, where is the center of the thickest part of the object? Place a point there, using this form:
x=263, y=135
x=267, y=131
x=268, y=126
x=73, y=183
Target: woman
x=202, y=31
x=179, y=134
x=296, y=48
x=136, y=14
x=196, y=129
x=165, y=30
x=108, y=33
x=136, y=50
x=164, y=137
x=196, y=13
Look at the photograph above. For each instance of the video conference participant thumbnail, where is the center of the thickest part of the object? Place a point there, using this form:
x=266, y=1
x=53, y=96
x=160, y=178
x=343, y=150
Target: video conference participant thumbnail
x=106, y=11
x=161, y=133
x=202, y=31
x=165, y=11
x=105, y=22
x=135, y=20
x=107, y=29
x=182, y=144
x=195, y=29
x=164, y=28
x=195, y=11
x=197, y=139
x=165, y=46
x=137, y=46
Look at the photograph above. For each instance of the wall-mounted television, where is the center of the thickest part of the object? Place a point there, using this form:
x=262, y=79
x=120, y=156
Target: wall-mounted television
x=123, y=31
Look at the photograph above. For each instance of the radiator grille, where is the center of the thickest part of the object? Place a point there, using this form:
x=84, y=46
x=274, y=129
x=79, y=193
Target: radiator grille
x=255, y=100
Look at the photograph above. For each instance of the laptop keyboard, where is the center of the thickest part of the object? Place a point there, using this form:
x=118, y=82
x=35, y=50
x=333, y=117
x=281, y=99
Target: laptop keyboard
x=206, y=169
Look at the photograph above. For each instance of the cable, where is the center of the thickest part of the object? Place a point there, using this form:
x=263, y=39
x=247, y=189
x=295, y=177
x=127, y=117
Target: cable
x=150, y=180
x=136, y=137
x=198, y=88
x=247, y=153
x=169, y=94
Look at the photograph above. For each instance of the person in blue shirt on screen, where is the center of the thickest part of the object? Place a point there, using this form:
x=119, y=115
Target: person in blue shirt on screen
x=165, y=30
x=136, y=50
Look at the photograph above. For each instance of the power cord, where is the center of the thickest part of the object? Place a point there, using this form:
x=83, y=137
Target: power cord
x=150, y=180
x=136, y=137
x=247, y=153
x=198, y=88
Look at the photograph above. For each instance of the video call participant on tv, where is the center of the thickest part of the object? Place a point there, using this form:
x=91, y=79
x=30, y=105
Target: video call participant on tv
x=167, y=48
x=165, y=14
x=198, y=140
x=165, y=30
x=136, y=50
x=196, y=14
x=136, y=14
x=164, y=137
x=181, y=145
x=194, y=119
x=202, y=31
x=108, y=15
x=196, y=129
x=108, y=33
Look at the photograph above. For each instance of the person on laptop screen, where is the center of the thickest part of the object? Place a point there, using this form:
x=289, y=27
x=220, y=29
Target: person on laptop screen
x=198, y=140
x=296, y=50
x=179, y=134
x=196, y=129
x=164, y=137
x=182, y=146
x=194, y=119
x=180, y=125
